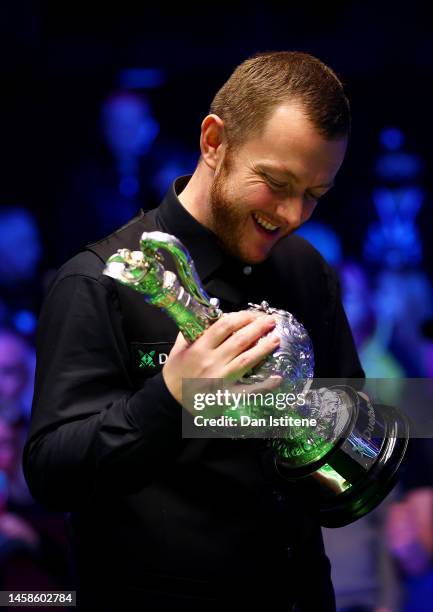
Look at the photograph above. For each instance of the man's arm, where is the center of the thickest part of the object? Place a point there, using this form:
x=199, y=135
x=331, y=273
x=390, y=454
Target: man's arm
x=89, y=429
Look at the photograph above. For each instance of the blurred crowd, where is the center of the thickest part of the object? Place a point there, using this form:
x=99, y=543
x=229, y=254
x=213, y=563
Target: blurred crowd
x=383, y=562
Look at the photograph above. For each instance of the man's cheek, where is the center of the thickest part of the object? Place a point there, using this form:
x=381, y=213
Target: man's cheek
x=259, y=197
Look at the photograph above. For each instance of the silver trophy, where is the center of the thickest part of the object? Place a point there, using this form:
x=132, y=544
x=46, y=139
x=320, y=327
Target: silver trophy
x=347, y=463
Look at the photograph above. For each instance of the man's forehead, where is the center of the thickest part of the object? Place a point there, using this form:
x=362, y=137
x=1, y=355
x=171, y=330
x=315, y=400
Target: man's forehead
x=287, y=117
x=295, y=158
x=289, y=125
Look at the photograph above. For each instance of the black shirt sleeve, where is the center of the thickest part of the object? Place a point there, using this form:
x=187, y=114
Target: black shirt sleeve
x=89, y=428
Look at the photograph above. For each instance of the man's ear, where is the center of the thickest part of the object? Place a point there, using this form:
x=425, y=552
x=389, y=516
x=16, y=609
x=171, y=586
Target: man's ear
x=212, y=138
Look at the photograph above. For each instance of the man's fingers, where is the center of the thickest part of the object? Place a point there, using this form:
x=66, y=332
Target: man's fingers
x=246, y=338
x=227, y=325
x=248, y=359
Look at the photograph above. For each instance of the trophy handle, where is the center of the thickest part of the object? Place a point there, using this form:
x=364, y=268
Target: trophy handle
x=151, y=242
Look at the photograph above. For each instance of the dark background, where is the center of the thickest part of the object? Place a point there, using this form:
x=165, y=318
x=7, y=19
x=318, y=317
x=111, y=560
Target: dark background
x=58, y=61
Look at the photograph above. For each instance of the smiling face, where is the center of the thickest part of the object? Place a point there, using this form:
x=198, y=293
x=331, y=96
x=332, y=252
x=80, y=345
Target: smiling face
x=270, y=185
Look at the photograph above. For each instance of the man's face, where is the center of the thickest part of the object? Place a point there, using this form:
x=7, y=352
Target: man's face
x=274, y=178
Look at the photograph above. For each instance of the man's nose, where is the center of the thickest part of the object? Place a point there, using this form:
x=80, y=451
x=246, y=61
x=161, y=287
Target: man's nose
x=292, y=211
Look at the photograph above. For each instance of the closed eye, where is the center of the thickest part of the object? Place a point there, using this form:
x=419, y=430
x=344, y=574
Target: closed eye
x=317, y=197
x=273, y=183
x=282, y=186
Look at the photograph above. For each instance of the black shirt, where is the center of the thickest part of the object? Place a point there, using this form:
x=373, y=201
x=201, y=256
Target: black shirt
x=151, y=512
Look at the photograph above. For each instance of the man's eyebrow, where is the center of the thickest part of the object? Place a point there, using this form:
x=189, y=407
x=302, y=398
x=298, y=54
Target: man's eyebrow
x=290, y=174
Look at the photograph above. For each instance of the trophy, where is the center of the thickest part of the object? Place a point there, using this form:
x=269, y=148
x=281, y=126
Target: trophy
x=346, y=464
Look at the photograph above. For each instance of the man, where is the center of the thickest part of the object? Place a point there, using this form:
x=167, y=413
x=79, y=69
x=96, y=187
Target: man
x=156, y=519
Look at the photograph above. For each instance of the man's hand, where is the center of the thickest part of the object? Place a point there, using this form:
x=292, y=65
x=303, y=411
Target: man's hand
x=227, y=349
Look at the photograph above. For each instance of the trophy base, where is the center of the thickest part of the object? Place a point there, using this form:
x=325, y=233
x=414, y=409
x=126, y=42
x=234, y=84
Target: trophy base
x=370, y=491
x=353, y=479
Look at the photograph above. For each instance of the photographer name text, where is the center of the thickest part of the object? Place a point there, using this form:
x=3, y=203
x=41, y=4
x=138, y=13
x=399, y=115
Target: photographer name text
x=247, y=421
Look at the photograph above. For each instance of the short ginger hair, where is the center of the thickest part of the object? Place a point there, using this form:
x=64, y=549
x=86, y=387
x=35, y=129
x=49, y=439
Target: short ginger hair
x=267, y=80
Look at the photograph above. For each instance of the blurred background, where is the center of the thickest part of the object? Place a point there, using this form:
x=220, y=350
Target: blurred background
x=101, y=110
